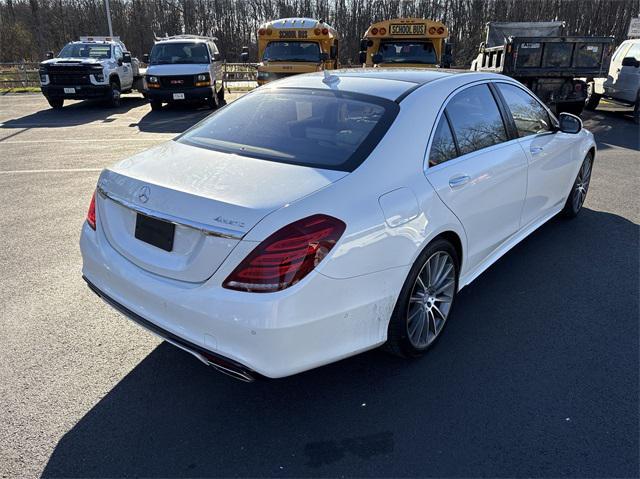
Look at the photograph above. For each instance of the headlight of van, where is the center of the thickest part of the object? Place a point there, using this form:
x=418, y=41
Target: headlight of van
x=203, y=79
x=152, y=79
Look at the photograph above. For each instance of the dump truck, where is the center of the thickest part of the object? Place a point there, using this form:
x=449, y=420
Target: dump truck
x=556, y=67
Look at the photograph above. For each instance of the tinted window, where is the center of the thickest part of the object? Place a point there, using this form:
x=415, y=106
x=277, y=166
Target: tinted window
x=475, y=119
x=318, y=128
x=443, y=148
x=530, y=117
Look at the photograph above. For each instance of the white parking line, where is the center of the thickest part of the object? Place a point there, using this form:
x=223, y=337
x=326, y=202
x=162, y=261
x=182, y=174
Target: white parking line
x=93, y=140
x=59, y=170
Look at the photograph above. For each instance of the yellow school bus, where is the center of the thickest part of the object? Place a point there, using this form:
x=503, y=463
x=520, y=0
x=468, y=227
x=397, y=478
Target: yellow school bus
x=295, y=45
x=405, y=42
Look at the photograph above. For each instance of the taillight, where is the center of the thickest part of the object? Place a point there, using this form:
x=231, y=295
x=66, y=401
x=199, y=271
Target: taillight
x=91, y=214
x=287, y=256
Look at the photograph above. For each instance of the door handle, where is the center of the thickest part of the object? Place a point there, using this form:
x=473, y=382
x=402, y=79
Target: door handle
x=536, y=149
x=459, y=181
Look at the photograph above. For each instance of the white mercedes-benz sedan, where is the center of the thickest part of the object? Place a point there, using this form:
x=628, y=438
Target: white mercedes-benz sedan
x=325, y=215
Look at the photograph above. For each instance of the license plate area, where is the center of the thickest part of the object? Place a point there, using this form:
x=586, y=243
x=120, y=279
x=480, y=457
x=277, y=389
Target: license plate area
x=70, y=90
x=156, y=232
x=178, y=96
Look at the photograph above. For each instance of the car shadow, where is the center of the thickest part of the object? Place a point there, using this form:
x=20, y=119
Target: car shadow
x=172, y=118
x=535, y=375
x=613, y=127
x=74, y=114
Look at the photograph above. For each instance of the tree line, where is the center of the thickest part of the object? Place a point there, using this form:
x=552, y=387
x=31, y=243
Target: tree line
x=30, y=28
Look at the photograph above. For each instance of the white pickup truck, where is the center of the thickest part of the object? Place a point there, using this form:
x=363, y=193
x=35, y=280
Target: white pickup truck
x=92, y=68
x=622, y=85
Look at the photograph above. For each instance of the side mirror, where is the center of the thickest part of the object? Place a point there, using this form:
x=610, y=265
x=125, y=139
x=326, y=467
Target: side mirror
x=126, y=57
x=49, y=55
x=630, y=62
x=364, y=44
x=145, y=58
x=244, y=57
x=377, y=58
x=362, y=57
x=324, y=56
x=333, y=52
x=570, y=123
x=120, y=62
x=217, y=57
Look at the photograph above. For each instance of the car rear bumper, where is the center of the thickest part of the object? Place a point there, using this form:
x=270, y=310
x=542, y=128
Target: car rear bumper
x=190, y=94
x=82, y=92
x=317, y=321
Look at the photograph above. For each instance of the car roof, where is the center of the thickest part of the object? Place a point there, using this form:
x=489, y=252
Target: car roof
x=390, y=83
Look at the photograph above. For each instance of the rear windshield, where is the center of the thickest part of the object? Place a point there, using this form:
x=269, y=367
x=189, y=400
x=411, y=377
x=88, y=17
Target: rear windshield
x=317, y=128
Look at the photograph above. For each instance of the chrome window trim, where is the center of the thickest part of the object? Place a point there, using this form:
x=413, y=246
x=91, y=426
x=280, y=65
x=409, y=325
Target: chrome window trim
x=208, y=230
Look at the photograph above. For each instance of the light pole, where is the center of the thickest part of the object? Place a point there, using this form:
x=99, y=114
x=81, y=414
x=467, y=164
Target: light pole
x=109, y=18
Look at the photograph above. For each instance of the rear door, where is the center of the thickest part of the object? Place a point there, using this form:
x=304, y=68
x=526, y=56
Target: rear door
x=550, y=154
x=478, y=171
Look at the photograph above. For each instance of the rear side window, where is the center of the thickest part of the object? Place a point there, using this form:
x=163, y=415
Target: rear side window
x=634, y=52
x=529, y=116
x=317, y=128
x=443, y=147
x=475, y=119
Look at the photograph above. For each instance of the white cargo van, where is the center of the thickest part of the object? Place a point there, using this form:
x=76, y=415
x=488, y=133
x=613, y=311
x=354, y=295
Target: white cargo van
x=184, y=68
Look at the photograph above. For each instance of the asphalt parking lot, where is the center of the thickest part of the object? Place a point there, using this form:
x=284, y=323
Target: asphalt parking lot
x=536, y=374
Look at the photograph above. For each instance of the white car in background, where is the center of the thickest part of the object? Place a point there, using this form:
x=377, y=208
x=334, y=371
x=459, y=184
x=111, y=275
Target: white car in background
x=622, y=85
x=325, y=215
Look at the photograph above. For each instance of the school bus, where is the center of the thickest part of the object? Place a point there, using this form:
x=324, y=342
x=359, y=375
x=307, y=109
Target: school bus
x=405, y=42
x=289, y=46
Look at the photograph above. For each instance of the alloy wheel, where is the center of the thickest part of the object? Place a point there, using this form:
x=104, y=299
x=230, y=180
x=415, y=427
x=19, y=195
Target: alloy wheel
x=582, y=184
x=431, y=299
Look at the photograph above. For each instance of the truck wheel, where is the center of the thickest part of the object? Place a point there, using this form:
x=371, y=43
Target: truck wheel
x=155, y=105
x=113, y=100
x=636, y=111
x=593, y=98
x=213, y=102
x=56, y=103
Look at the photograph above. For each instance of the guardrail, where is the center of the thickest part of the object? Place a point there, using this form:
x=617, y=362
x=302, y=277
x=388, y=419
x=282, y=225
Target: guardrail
x=25, y=74
x=19, y=75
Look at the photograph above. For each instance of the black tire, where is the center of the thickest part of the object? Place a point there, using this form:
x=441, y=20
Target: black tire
x=593, y=98
x=573, y=108
x=579, y=189
x=399, y=340
x=213, y=101
x=221, y=101
x=155, y=105
x=113, y=98
x=56, y=103
x=636, y=111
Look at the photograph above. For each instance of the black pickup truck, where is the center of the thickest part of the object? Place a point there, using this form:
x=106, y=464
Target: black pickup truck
x=556, y=68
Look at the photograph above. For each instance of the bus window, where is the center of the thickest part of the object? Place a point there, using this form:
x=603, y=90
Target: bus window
x=292, y=52
x=407, y=52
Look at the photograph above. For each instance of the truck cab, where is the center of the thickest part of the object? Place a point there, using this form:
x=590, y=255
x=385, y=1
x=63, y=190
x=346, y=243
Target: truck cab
x=622, y=84
x=184, y=68
x=91, y=68
x=289, y=46
x=405, y=42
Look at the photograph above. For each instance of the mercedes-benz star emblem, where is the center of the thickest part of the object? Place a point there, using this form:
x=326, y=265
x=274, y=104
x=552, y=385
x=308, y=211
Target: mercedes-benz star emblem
x=144, y=193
